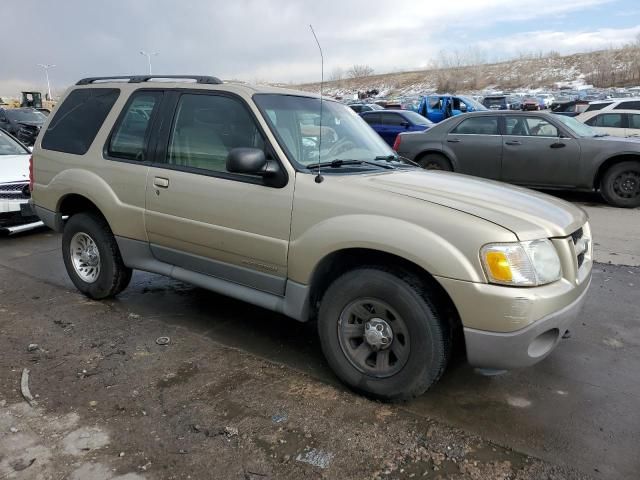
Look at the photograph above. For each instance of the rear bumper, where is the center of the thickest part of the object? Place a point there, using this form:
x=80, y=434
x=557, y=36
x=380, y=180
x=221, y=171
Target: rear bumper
x=523, y=347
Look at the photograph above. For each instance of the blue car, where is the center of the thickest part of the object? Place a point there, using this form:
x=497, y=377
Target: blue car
x=440, y=107
x=389, y=123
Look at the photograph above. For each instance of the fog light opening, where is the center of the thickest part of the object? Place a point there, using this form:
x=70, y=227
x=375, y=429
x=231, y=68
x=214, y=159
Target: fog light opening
x=543, y=343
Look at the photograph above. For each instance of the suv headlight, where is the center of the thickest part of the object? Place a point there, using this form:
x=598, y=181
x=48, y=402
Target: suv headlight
x=524, y=264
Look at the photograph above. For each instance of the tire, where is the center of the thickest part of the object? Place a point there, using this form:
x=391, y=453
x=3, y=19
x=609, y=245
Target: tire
x=101, y=277
x=423, y=338
x=435, y=161
x=620, y=185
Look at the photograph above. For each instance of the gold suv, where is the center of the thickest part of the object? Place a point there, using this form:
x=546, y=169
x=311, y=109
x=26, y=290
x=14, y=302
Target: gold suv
x=293, y=203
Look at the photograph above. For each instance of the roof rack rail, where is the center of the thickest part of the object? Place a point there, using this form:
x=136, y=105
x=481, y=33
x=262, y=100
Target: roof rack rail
x=145, y=78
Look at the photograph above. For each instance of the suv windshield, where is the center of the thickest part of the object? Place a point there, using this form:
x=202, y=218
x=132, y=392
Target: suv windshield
x=26, y=116
x=577, y=127
x=8, y=146
x=296, y=123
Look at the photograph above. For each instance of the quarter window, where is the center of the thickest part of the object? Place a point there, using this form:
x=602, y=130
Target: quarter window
x=529, y=127
x=207, y=128
x=76, y=122
x=130, y=136
x=477, y=126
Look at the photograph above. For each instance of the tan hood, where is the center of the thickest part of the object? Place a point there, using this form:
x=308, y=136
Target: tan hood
x=527, y=213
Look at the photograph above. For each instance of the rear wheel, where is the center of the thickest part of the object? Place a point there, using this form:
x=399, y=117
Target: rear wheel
x=620, y=185
x=435, y=161
x=92, y=258
x=381, y=333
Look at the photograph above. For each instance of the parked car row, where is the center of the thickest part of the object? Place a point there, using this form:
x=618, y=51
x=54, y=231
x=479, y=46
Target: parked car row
x=535, y=149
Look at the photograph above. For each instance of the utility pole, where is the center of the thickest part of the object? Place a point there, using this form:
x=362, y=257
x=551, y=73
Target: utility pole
x=148, y=55
x=46, y=67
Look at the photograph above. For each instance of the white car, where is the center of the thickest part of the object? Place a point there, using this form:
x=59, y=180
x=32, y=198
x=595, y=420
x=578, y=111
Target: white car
x=619, y=123
x=629, y=103
x=14, y=185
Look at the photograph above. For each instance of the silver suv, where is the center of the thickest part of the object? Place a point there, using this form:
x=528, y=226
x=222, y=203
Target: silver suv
x=294, y=204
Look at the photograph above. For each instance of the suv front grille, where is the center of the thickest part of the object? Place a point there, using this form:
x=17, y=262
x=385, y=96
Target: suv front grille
x=581, y=245
x=14, y=191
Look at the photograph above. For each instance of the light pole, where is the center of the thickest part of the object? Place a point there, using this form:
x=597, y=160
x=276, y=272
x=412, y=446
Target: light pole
x=148, y=55
x=46, y=67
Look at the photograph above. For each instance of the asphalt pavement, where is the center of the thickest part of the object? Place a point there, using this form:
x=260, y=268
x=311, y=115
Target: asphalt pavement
x=578, y=407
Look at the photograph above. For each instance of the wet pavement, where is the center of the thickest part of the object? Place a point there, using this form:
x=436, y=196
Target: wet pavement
x=578, y=407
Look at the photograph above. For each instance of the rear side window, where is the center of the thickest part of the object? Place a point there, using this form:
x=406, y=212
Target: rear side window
x=609, y=120
x=477, y=126
x=597, y=106
x=634, y=121
x=130, y=136
x=76, y=122
x=393, y=119
x=373, y=119
x=631, y=105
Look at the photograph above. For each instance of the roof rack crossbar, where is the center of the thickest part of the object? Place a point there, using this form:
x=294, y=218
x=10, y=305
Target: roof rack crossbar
x=145, y=78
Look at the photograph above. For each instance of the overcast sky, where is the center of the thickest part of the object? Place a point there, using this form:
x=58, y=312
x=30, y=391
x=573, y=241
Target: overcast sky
x=269, y=40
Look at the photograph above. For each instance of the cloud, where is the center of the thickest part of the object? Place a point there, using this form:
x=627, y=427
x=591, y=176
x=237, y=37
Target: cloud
x=563, y=42
x=256, y=39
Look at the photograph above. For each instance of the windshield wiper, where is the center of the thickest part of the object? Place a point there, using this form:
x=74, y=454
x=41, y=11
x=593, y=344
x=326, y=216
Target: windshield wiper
x=340, y=163
x=600, y=135
x=396, y=158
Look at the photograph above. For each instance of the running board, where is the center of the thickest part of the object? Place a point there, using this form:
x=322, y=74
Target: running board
x=22, y=228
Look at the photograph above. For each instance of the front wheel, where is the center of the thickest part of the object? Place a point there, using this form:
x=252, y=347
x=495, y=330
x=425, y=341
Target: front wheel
x=620, y=185
x=92, y=258
x=382, y=335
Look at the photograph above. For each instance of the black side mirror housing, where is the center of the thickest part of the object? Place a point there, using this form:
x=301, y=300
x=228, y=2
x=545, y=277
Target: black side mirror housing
x=253, y=161
x=405, y=124
x=246, y=160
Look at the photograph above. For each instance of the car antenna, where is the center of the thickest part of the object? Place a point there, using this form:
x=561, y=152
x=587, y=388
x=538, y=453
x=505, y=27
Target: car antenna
x=319, y=177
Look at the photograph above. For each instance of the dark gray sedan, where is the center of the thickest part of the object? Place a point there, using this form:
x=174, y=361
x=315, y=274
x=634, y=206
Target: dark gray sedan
x=535, y=149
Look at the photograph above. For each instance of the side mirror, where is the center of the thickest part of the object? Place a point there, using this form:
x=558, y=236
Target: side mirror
x=246, y=160
x=253, y=161
x=405, y=124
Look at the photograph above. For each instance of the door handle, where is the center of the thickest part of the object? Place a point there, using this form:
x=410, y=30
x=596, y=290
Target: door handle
x=513, y=142
x=161, y=182
x=557, y=145
x=453, y=140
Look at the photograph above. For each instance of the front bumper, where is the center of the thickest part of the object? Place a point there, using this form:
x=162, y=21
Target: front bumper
x=18, y=216
x=523, y=347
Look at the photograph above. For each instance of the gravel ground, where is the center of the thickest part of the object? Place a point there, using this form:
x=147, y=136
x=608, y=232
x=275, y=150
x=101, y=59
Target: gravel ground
x=110, y=403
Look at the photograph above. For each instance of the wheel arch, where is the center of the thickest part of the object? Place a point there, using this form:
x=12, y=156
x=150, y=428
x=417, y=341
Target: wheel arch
x=442, y=153
x=74, y=203
x=611, y=161
x=338, y=262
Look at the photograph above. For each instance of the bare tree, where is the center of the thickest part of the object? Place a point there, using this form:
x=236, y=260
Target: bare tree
x=360, y=71
x=336, y=74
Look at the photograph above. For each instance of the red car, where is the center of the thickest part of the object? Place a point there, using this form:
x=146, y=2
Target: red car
x=530, y=104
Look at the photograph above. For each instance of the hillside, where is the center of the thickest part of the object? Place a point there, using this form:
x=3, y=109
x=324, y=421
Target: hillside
x=607, y=68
